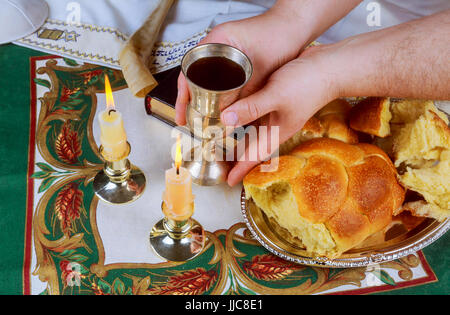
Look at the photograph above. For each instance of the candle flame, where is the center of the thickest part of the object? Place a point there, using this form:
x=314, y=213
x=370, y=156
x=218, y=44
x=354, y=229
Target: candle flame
x=109, y=96
x=178, y=157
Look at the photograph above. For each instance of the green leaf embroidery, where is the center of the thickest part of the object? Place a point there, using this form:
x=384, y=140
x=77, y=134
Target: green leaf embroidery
x=70, y=62
x=83, y=269
x=235, y=288
x=118, y=287
x=46, y=183
x=47, y=174
x=71, y=103
x=40, y=175
x=45, y=167
x=104, y=286
x=384, y=276
x=42, y=82
x=78, y=257
x=67, y=252
x=94, y=80
x=246, y=291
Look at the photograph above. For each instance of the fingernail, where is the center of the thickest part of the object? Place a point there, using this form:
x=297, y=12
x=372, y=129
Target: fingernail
x=230, y=118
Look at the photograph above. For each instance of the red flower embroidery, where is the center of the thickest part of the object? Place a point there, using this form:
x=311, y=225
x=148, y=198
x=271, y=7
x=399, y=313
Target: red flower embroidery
x=67, y=206
x=68, y=147
x=192, y=282
x=269, y=267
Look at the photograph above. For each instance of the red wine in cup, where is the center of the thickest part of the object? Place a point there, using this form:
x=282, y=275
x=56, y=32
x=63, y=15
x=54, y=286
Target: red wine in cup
x=216, y=73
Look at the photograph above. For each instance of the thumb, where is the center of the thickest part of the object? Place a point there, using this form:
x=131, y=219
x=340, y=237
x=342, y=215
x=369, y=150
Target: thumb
x=249, y=109
x=182, y=101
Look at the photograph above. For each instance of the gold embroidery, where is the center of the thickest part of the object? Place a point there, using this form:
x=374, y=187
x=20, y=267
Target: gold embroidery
x=172, y=44
x=53, y=34
x=90, y=27
x=71, y=36
x=72, y=52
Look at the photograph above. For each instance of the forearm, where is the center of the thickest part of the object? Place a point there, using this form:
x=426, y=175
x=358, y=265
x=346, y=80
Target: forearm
x=290, y=25
x=408, y=60
x=305, y=20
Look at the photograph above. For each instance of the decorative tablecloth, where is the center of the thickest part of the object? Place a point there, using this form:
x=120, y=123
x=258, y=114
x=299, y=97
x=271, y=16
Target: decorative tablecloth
x=57, y=238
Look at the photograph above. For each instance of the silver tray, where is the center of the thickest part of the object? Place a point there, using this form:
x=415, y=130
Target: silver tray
x=398, y=241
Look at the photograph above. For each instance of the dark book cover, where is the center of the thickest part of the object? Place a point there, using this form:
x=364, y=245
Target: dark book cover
x=160, y=102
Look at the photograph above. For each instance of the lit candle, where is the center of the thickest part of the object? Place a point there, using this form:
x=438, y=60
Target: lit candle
x=178, y=195
x=112, y=132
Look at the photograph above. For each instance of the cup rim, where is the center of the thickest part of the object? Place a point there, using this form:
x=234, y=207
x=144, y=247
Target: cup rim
x=218, y=44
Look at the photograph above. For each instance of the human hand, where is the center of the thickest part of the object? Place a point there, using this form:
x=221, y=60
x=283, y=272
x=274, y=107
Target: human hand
x=271, y=39
x=258, y=37
x=291, y=96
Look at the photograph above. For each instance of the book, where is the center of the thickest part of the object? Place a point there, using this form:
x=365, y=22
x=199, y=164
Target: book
x=160, y=102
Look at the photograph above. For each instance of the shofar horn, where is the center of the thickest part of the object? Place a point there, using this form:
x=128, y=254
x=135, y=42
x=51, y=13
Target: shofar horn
x=138, y=49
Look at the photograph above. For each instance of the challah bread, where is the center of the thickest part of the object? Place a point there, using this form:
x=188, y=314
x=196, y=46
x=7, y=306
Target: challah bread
x=329, y=122
x=419, y=144
x=422, y=208
x=432, y=181
x=422, y=140
x=422, y=149
x=329, y=194
x=406, y=111
x=372, y=115
x=334, y=120
x=382, y=116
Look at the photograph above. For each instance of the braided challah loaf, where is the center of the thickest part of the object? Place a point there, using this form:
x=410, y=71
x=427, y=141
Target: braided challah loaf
x=329, y=194
x=329, y=122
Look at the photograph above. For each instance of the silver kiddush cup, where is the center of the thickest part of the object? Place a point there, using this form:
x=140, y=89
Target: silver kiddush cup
x=207, y=163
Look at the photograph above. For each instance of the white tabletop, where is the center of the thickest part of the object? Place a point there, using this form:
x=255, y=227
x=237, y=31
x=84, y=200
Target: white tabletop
x=125, y=229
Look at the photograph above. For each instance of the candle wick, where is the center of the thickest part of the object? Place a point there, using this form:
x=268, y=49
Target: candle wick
x=178, y=170
x=111, y=110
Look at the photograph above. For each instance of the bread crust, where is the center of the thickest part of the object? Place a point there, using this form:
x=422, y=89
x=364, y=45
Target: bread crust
x=330, y=122
x=371, y=115
x=320, y=188
x=351, y=189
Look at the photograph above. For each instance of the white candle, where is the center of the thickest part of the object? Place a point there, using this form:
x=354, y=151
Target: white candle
x=178, y=195
x=112, y=132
